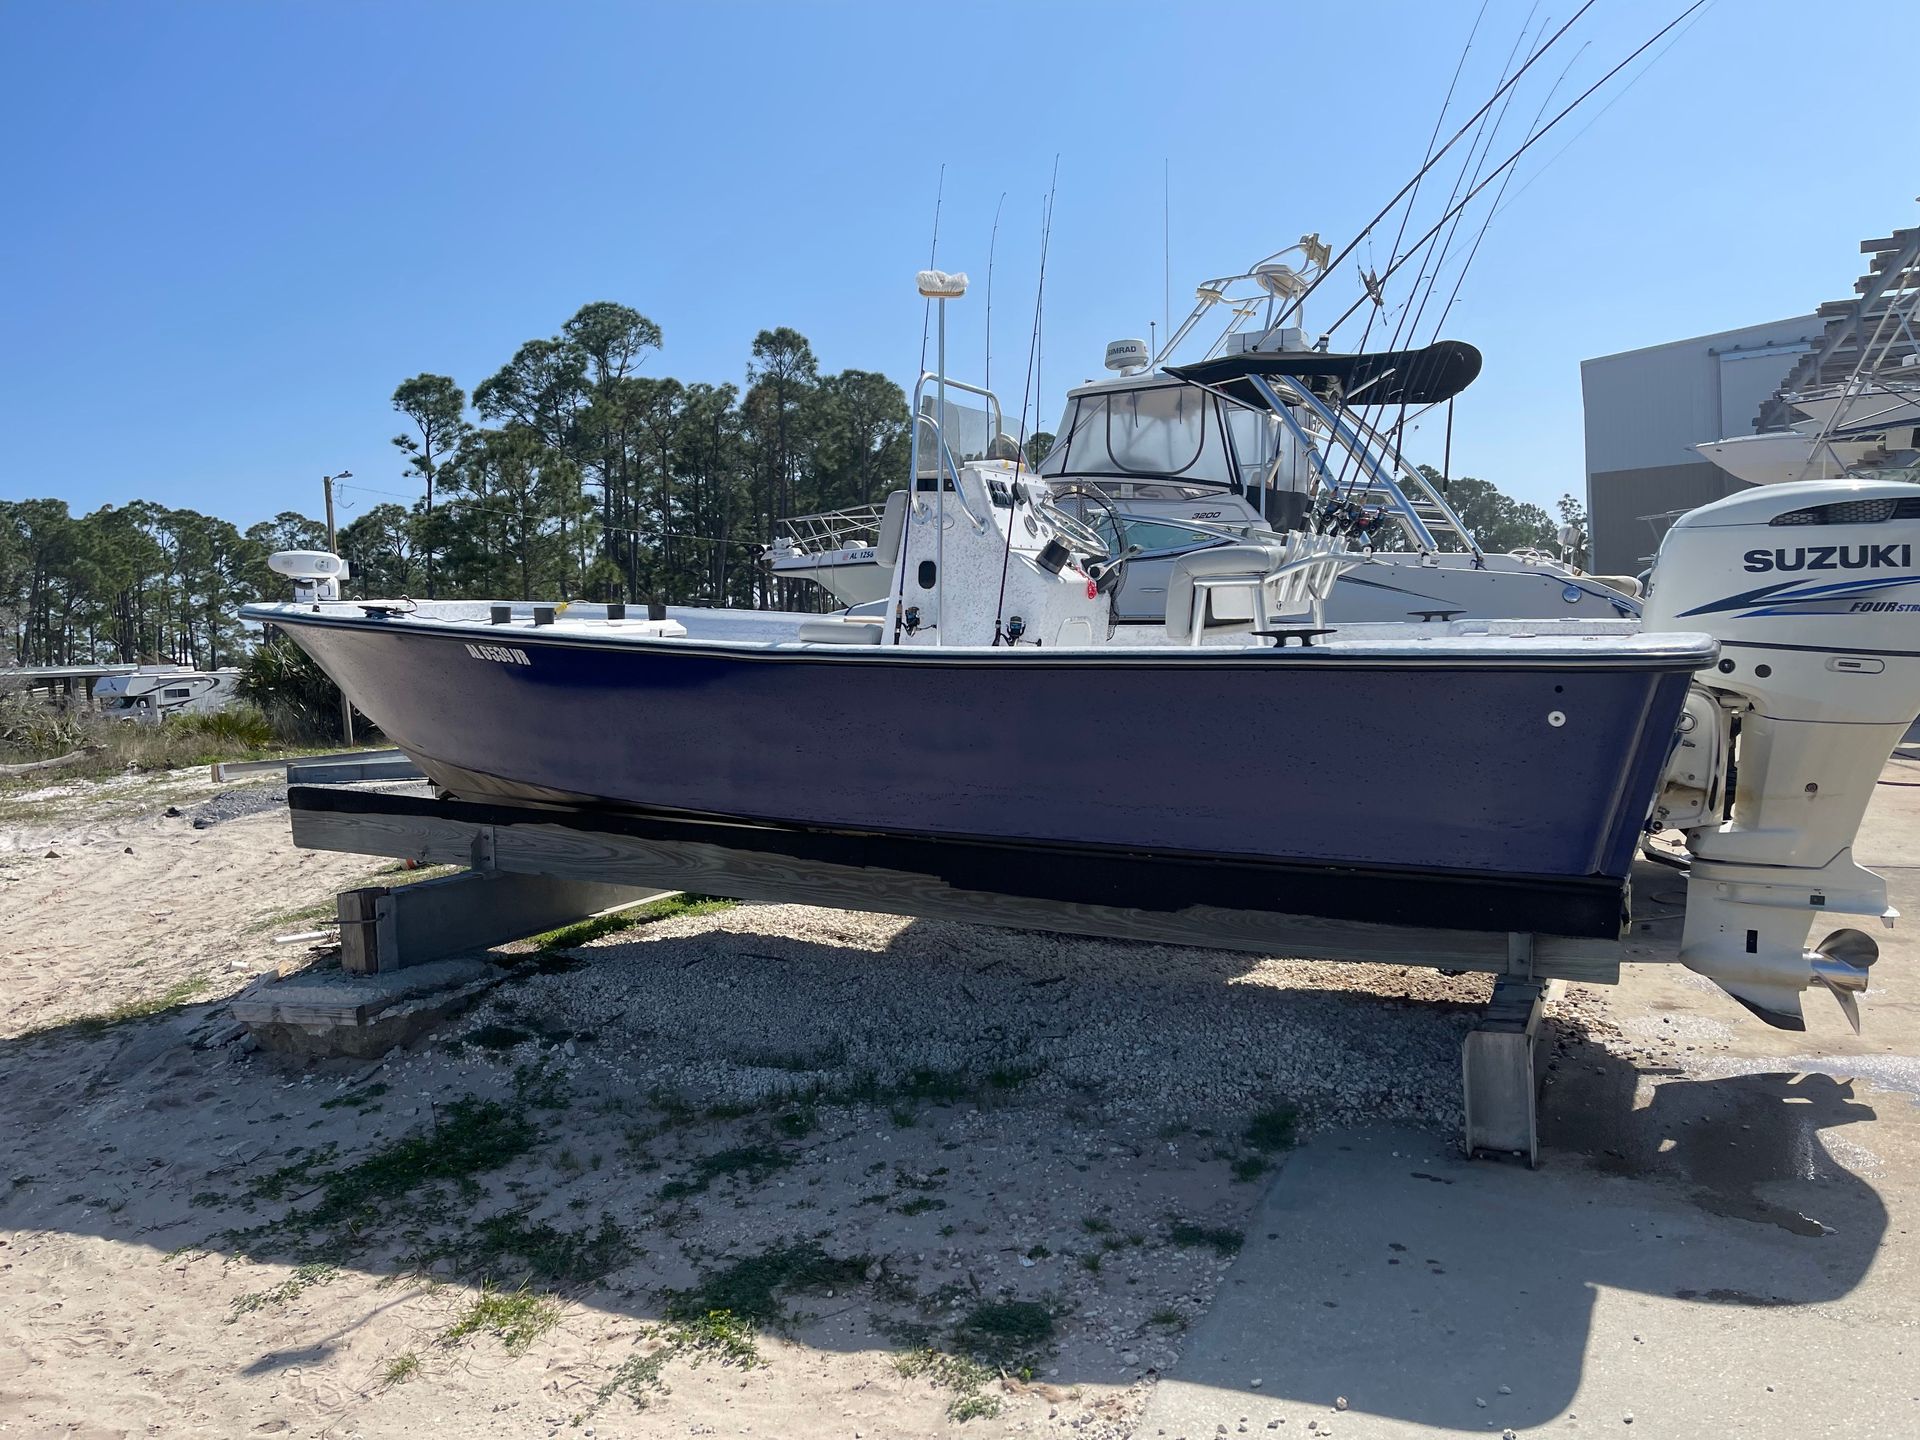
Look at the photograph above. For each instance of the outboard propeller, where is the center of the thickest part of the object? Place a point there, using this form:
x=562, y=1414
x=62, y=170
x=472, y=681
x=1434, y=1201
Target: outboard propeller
x=1840, y=962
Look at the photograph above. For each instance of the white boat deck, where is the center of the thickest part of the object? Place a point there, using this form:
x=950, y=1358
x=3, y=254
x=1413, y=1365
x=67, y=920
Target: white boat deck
x=1534, y=641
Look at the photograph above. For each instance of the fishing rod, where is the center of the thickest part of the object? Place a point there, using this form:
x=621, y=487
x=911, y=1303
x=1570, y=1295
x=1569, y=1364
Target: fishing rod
x=1428, y=275
x=933, y=255
x=1403, y=191
x=1026, y=388
x=1413, y=199
x=1512, y=159
x=1595, y=118
x=1493, y=208
x=1407, y=327
x=993, y=243
x=1407, y=321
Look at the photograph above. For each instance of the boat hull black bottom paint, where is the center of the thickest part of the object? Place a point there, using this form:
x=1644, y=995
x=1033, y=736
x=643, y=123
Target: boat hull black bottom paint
x=1591, y=907
x=1302, y=766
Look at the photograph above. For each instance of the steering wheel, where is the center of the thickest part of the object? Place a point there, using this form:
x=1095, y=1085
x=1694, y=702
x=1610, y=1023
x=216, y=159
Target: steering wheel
x=1078, y=530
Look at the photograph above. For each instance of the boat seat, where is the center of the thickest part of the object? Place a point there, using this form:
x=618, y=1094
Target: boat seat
x=1182, y=596
x=841, y=632
x=893, y=526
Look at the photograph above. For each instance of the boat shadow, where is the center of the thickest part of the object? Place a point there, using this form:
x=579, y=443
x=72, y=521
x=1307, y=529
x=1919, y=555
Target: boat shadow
x=139, y=1137
x=1394, y=1280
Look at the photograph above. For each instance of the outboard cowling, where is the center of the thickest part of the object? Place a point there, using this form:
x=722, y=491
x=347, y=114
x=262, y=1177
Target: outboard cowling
x=1813, y=593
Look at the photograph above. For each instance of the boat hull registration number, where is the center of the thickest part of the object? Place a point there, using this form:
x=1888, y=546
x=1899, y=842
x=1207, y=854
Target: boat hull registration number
x=499, y=654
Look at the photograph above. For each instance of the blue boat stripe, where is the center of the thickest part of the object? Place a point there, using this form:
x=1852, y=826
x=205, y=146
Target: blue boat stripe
x=1774, y=592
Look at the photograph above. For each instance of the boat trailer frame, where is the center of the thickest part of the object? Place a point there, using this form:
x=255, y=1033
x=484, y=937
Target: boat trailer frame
x=527, y=868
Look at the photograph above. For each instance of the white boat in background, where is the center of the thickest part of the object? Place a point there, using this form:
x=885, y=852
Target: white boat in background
x=1888, y=402
x=1864, y=424
x=1263, y=435
x=1781, y=457
x=835, y=550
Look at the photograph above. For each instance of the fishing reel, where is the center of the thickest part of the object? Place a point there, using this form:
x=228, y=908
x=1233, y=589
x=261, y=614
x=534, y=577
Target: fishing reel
x=1350, y=519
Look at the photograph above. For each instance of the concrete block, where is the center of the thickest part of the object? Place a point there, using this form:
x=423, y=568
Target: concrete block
x=386, y=928
x=329, y=1013
x=1500, y=1072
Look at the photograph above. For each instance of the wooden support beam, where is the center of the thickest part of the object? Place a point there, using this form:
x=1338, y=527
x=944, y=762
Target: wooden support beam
x=385, y=928
x=325, y=769
x=344, y=769
x=604, y=858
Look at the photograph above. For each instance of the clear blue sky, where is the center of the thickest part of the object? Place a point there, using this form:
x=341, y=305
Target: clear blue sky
x=227, y=230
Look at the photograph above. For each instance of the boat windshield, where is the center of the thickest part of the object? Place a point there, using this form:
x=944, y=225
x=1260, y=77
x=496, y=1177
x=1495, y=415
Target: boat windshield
x=1167, y=432
x=1156, y=536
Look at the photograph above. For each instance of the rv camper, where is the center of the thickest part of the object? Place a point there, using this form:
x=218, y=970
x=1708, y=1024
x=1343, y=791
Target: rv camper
x=154, y=692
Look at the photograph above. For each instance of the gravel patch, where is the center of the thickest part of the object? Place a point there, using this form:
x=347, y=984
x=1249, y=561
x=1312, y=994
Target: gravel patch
x=770, y=1000
x=254, y=798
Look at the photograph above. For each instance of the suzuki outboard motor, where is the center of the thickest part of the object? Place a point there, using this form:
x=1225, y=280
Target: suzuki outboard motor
x=1813, y=592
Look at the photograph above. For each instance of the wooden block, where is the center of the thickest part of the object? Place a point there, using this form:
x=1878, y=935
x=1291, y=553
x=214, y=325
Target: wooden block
x=535, y=848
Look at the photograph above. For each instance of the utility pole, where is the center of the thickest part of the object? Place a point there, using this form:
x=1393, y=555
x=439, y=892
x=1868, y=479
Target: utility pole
x=333, y=547
x=326, y=482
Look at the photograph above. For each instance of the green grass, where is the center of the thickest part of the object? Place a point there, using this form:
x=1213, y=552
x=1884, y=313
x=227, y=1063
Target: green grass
x=1167, y=1318
x=496, y=1036
x=141, y=1007
x=400, y=1369
x=305, y=1278
x=667, y=907
x=549, y=1254
x=920, y=1204
x=717, y=1335
x=943, y=1086
x=473, y=1136
x=540, y=1086
x=357, y=1099
x=1006, y=1333
x=720, y=1316
x=292, y=920
x=750, y=1288
x=1217, y=1238
x=798, y=1123
x=1249, y=1167
x=32, y=731
x=516, y=1318
x=637, y=1377
x=964, y=1376
x=903, y=1096
x=753, y=1163
x=1275, y=1128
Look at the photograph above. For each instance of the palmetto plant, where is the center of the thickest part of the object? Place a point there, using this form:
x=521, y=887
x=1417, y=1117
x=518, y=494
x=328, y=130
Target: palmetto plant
x=293, y=693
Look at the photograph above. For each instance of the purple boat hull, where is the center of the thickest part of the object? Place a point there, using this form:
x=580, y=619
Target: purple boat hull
x=1484, y=781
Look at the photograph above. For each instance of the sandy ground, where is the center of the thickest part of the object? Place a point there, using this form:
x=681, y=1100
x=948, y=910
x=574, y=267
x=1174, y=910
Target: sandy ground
x=897, y=1149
